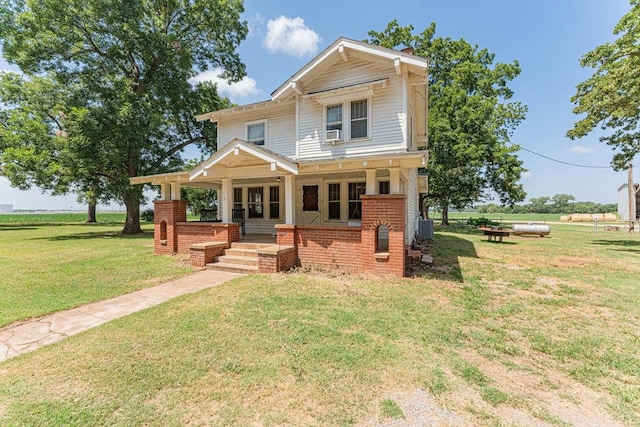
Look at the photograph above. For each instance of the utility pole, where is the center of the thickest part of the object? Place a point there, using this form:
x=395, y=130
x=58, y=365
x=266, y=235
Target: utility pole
x=632, y=199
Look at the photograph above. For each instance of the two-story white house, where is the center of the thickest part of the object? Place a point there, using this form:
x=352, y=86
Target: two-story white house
x=346, y=131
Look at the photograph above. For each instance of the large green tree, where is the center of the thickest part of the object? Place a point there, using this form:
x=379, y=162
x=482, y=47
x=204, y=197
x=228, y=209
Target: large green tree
x=470, y=122
x=35, y=147
x=127, y=65
x=610, y=99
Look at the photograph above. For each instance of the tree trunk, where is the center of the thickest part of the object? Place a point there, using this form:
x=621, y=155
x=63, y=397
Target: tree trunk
x=424, y=207
x=91, y=212
x=131, y=200
x=445, y=215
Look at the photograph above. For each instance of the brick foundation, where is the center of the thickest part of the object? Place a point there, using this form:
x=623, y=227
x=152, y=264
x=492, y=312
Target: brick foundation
x=276, y=259
x=201, y=254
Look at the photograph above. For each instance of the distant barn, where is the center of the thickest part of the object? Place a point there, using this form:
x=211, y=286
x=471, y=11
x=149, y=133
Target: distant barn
x=623, y=202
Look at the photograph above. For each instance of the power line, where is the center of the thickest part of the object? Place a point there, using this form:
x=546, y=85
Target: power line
x=563, y=162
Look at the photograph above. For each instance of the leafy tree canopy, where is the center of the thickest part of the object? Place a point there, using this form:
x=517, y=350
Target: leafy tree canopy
x=123, y=68
x=610, y=98
x=470, y=123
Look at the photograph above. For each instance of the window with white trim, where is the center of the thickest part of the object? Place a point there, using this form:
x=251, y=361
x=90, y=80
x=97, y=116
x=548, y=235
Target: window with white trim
x=255, y=202
x=350, y=118
x=274, y=202
x=334, y=117
x=334, y=201
x=237, y=198
x=257, y=132
x=359, y=119
x=356, y=189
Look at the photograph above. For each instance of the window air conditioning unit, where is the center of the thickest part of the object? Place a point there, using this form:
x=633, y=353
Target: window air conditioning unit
x=332, y=136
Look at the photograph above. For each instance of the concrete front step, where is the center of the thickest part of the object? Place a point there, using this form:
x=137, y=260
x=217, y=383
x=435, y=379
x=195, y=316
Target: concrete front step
x=246, y=253
x=232, y=268
x=239, y=260
x=253, y=246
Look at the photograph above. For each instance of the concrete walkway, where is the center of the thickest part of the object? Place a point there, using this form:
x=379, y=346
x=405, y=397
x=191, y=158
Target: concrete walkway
x=32, y=334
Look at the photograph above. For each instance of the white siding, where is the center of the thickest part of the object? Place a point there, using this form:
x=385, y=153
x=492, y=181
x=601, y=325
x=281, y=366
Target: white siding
x=412, y=206
x=385, y=112
x=280, y=128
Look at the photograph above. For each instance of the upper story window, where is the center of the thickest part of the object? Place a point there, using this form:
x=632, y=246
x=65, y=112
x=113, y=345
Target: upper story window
x=350, y=119
x=257, y=132
x=334, y=117
x=359, y=119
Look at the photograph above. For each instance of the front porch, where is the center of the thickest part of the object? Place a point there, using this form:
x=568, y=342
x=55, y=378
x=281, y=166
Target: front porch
x=351, y=214
x=376, y=246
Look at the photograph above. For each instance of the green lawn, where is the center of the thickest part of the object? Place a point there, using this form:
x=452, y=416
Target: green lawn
x=46, y=268
x=535, y=330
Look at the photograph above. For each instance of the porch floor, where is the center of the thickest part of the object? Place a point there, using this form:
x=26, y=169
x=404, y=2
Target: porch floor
x=258, y=238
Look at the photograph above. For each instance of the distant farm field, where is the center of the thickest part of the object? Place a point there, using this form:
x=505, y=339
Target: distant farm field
x=59, y=218
x=533, y=331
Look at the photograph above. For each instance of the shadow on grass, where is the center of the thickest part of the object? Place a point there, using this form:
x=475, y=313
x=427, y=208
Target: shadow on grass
x=20, y=227
x=632, y=246
x=447, y=250
x=34, y=225
x=97, y=235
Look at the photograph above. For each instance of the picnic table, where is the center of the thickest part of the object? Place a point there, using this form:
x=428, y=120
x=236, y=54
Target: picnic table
x=495, y=234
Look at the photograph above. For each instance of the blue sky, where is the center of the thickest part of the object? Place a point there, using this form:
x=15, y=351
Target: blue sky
x=547, y=37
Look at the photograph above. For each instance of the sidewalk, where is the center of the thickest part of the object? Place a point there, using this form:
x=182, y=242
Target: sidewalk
x=36, y=333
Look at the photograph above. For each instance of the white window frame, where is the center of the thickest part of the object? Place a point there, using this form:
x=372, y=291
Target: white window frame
x=346, y=116
x=253, y=123
x=340, y=200
x=367, y=118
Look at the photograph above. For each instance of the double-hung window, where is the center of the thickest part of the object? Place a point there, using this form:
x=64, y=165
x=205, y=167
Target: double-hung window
x=274, y=202
x=356, y=189
x=359, y=119
x=334, y=201
x=347, y=121
x=257, y=132
x=237, y=198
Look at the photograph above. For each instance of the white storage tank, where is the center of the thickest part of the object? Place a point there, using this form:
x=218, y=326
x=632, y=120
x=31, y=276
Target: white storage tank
x=533, y=229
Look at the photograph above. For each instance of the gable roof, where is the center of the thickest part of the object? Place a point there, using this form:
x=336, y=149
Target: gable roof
x=242, y=152
x=343, y=48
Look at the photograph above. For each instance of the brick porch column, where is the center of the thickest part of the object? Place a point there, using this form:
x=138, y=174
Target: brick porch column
x=387, y=210
x=167, y=213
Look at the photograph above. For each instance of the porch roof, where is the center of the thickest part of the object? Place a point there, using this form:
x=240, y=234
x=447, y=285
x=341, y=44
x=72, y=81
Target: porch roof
x=240, y=159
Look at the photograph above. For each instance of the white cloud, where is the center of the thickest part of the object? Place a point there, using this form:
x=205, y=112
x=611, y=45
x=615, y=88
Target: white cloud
x=256, y=24
x=580, y=149
x=526, y=175
x=245, y=87
x=291, y=36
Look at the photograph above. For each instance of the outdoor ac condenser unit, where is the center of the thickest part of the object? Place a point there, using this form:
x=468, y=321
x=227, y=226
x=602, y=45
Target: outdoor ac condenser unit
x=425, y=228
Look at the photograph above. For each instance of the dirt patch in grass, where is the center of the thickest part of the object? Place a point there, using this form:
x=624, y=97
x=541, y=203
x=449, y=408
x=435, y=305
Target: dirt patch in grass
x=419, y=408
x=543, y=391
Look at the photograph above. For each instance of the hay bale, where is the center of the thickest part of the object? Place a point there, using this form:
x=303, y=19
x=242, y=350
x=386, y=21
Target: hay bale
x=581, y=218
x=565, y=218
x=599, y=217
x=610, y=217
